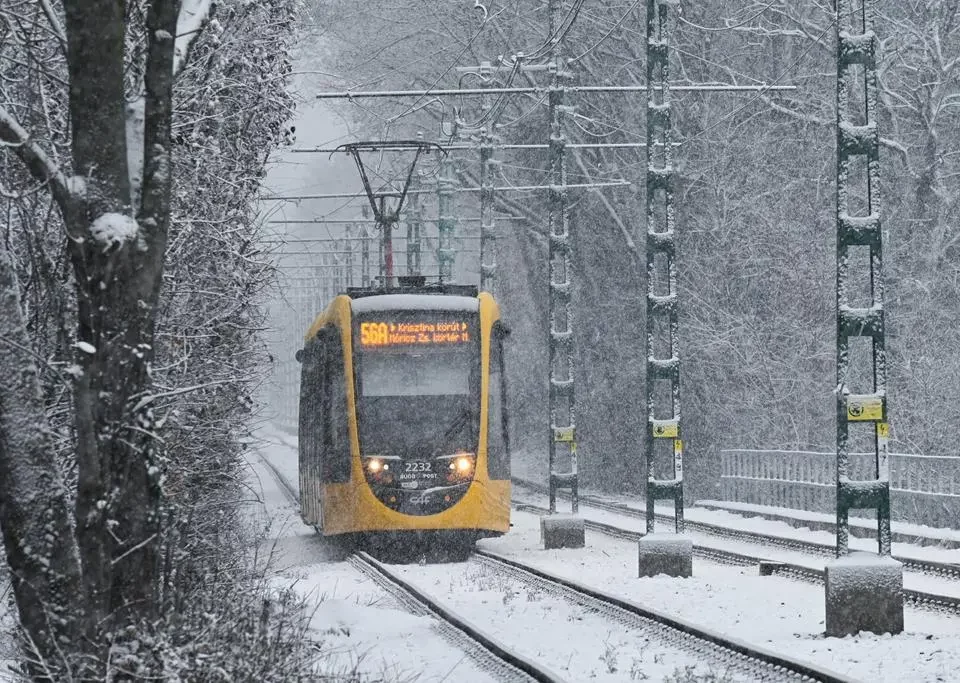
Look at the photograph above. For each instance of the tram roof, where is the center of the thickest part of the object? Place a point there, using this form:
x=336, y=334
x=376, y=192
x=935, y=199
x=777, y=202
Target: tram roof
x=414, y=285
x=415, y=302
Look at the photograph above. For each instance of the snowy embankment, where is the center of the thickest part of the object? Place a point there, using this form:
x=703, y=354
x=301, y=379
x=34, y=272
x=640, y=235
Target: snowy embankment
x=773, y=612
x=359, y=627
x=525, y=468
x=938, y=585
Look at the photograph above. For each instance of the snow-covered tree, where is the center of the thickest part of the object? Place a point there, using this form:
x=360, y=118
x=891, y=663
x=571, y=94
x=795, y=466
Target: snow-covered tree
x=135, y=137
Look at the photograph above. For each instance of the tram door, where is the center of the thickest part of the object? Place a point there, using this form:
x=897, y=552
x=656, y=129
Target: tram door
x=310, y=432
x=498, y=436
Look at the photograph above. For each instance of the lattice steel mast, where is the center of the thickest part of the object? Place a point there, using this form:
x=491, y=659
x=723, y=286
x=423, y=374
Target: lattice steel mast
x=856, y=47
x=364, y=257
x=562, y=394
x=488, y=235
x=447, y=219
x=414, y=227
x=662, y=314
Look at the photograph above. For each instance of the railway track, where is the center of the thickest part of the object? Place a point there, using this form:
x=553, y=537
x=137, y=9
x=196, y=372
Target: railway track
x=737, y=657
x=489, y=655
x=746, y=662
x=941, y=569
x=945, y=604
x=925, y=600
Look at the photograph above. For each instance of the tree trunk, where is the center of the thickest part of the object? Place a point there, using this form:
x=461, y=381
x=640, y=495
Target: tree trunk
x=41, y=549
x=117, y=254
x=118, y=276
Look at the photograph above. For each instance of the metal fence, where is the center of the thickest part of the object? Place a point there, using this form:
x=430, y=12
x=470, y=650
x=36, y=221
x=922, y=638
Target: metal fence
x=924, y=489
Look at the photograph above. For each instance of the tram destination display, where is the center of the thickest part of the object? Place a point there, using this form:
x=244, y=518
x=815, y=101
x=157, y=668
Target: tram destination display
x=387, y=334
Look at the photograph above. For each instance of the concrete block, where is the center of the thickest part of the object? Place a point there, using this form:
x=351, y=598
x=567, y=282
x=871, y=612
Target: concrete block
x=770, y=567
x=669, y=554
x=562, y=531
x=863, y=592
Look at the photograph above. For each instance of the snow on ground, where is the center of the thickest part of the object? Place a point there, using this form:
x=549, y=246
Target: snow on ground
x=573, y=641
x=289, y=543
x=358, y=625
x=280, y=448
x=773, y=612
x=938, y=585
x=751, y=509
x=362, y=628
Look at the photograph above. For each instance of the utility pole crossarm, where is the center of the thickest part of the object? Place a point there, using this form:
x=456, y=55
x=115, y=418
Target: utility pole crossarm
x=471, y=147
x=507, y=188
x=536, y=90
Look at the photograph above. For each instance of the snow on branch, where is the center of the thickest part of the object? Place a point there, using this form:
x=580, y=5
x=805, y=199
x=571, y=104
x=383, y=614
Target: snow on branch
x=42, y=167
x=193, y=15
x=54, y=24
x=150, y=398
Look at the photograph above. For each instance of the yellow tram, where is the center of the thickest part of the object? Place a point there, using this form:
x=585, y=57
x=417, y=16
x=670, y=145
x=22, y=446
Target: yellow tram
x=403, y=428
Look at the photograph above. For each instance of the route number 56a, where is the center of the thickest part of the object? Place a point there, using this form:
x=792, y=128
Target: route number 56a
x=373, y=334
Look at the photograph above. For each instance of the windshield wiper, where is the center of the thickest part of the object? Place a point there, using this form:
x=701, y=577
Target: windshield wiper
x=458, y=423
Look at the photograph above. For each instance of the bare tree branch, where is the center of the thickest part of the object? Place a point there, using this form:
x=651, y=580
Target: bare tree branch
x=194, y=16
x=37, y=161
x=54, y=24
x=631, y=245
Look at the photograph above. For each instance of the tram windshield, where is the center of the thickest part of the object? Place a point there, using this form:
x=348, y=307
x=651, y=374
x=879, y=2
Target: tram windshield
x=417, y=383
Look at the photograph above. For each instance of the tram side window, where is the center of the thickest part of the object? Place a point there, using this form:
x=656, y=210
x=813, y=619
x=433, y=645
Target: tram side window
x=336, y=450
x=311, y=408
x=498, y=447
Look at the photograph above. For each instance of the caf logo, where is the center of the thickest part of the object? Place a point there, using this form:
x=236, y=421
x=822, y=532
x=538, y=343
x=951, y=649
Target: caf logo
x=420, y=499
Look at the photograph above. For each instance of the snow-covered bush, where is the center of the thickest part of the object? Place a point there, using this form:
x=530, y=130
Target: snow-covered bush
x=231, y=107
x=211, y=612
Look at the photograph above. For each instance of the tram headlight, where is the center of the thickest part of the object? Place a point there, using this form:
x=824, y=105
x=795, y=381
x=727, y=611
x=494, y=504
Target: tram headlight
x=461, y=465
x=376, y=465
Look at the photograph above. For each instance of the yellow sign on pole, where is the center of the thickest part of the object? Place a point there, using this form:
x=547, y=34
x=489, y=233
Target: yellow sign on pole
x=864, y=408
x=665, y=429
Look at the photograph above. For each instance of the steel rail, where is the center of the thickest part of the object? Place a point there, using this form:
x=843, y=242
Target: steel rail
x=285, y=485
x=943, y=569
x=395, y=584
x=780, y=663
x=418, y=601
